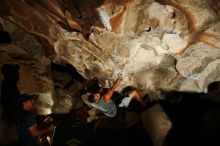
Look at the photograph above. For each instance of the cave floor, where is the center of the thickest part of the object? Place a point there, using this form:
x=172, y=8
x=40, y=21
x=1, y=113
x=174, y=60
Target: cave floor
x=195, y=122
x=105, y=131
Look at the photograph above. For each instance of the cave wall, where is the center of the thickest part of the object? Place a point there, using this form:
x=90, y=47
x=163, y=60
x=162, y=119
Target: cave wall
x=158, y=45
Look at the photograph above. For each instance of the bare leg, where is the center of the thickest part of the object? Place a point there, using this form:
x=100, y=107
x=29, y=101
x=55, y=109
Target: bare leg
x=135, y=94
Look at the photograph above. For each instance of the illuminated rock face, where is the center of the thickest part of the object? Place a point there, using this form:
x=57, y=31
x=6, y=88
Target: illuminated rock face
x=158, y=45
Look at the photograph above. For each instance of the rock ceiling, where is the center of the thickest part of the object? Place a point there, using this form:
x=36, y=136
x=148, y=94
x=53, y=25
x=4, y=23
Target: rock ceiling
x=158, y=45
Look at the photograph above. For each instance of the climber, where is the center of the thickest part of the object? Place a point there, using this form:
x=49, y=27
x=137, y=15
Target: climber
x=28, y=130
x=103, y=99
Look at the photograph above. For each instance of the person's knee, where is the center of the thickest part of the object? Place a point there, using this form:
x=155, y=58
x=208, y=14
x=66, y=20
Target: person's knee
x=93, y=112
x=133, y=93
